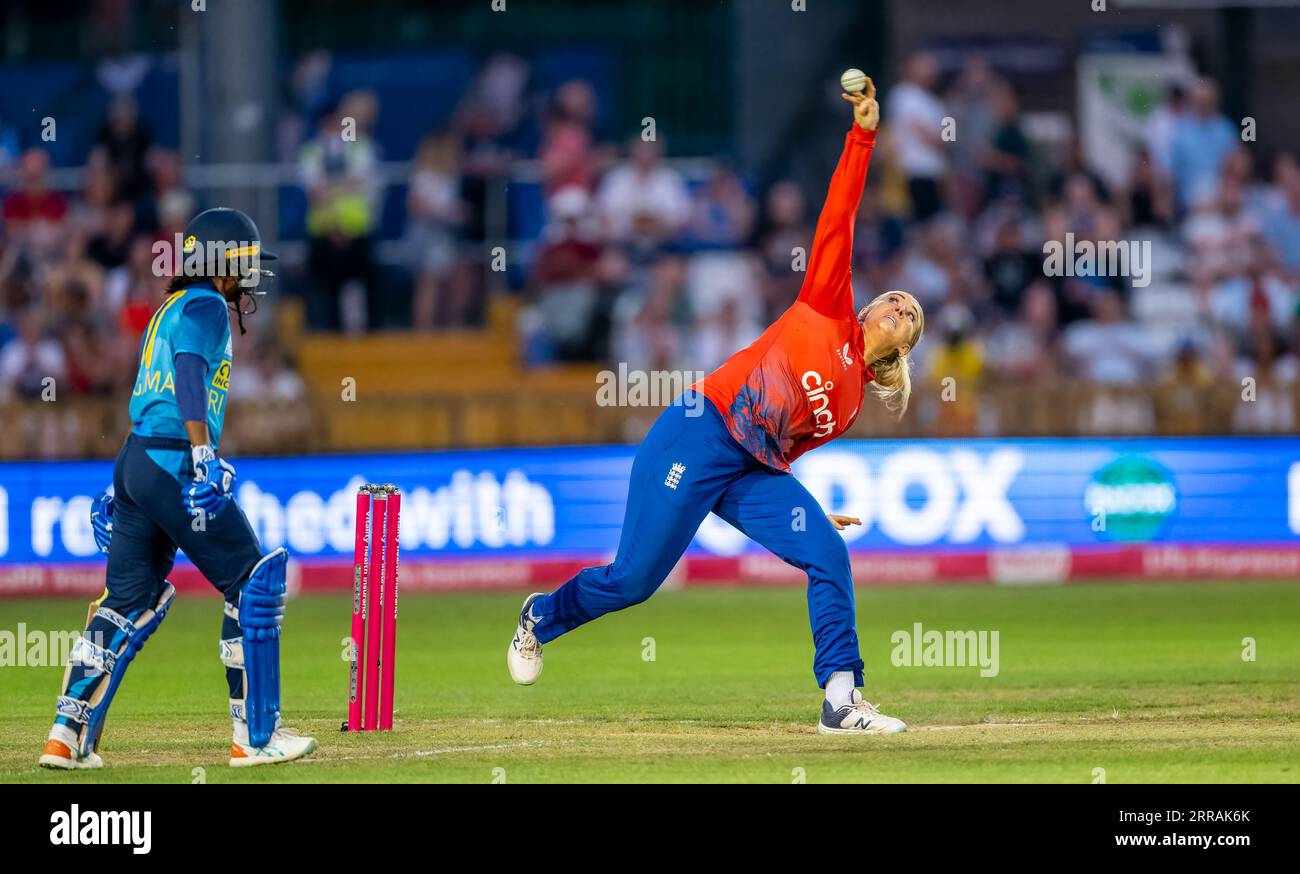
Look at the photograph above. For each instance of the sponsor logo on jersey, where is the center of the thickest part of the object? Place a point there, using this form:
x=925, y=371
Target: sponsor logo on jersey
x=674, y=475
x=819, y=400
x=222, y=378
x=845, y=358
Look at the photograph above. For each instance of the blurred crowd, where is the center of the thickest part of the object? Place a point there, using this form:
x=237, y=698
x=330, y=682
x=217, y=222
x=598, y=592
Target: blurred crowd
x=78, y=279
x=640, y=262
x=671, y=264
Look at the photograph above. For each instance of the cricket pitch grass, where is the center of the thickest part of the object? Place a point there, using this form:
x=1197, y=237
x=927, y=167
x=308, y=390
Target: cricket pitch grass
x=1146, y=682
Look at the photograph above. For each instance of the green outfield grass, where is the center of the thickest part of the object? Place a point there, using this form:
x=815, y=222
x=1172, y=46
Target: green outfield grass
x=1145, y=681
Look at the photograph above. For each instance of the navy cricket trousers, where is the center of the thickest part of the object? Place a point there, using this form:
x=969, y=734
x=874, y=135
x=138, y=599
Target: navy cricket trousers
x=149, y=523
x=688, y=466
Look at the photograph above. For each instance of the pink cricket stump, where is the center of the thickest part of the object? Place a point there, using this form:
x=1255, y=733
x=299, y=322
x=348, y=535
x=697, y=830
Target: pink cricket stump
x=388, y=658
x=378, y=524
x=360, y=575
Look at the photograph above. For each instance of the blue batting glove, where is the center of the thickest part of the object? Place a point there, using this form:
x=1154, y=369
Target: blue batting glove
x=101, y=520
x=214, y=481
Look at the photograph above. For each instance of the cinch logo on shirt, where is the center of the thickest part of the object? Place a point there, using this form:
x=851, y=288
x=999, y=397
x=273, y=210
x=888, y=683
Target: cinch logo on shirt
x=819, y=400
x=222, y=379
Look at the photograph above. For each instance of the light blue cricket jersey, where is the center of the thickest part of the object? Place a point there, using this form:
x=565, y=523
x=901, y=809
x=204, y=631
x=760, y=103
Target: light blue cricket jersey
x=194, y=320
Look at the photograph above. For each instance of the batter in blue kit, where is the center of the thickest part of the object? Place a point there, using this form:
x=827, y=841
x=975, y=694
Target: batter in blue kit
x=172, y=490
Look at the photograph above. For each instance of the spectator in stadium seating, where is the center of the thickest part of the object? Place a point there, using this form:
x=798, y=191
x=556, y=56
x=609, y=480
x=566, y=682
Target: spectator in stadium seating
x=642, y=200
x=878, y=244
x=1160, y=127
x=653, y=325
x=783, y=233
x=123, y=143
x=955, y=370
x=1006, y=158
x=565, y=283
x=971, y=105
x=1239, y=169
x=1281, y=217
x=1202, y=139
x=722, y=212
x=74, y=286
x=91, y=363
x=1183, y=390
x=310, y=98
x=1010, y=269
x=937, y=269
x=722, y=333
x=31, y=359
x=35, y=216
x=1108, y=348
x=1083, y=201
x=89, y=212
x=132, y=294
x=339, y=169
x=1074, y=294
x=1258, y=292
x=169, y=205
x=135, y=280
x=112, y=245
x=1025, y=350
x=916, y=118
x=567, y=154
x=499, y=90
x=1145, y=200
x=269, y=378
x=435, y=214
x=487, y=121
x=1218, y=232
x=1273, y=371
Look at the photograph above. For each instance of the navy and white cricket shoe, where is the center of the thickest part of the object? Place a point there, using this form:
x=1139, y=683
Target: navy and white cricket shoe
x=524, y=657
x=857, y=717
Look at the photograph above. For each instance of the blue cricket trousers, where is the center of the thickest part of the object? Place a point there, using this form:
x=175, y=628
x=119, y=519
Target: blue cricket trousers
x=149, y=523
x=687, y=466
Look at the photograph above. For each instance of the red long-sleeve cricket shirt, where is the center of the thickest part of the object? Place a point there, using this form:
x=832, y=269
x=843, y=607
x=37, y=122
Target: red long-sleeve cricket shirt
x=802, y=383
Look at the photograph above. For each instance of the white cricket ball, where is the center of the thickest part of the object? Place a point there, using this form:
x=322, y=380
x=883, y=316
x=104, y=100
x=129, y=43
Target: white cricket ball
x=853, y=80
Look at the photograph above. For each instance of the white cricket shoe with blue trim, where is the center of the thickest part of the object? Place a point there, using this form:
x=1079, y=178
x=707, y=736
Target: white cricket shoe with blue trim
x=524, y=657
x=857, y=717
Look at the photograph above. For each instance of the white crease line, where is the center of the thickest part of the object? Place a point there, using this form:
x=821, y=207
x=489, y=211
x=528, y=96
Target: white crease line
x=979, y=725
x=418, y=753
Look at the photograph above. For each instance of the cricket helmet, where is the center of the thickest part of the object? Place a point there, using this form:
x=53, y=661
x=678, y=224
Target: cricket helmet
x=230, y=245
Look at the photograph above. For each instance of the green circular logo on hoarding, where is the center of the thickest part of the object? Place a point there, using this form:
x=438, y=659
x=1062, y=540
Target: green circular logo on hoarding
x=1130, y=498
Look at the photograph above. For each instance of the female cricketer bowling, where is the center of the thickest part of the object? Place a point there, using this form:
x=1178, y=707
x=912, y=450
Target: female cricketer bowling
x=801, y=384
x=170, y=490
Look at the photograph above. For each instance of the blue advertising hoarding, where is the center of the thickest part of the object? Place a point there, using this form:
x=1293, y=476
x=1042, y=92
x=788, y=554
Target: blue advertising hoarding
x=911, y=495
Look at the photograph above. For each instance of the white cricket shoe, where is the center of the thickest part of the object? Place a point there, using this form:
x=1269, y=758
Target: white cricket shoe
x=61, y=756
x=285, y=745
x=524, y=657
x=857, y=717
